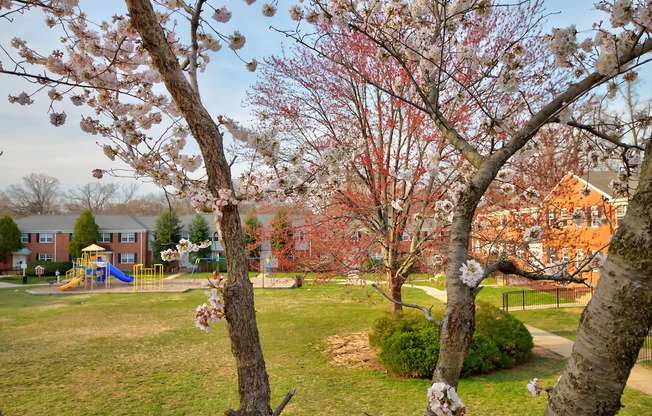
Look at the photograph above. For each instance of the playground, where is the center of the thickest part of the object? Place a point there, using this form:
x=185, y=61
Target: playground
x=93, y=273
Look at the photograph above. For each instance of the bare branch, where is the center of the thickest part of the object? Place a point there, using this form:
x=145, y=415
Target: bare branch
x=425, y=310
x=602, y=135
x=508, y=267
x=285, y=401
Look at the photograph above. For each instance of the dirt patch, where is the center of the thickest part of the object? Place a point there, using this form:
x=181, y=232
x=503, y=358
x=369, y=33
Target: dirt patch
x=351, y=350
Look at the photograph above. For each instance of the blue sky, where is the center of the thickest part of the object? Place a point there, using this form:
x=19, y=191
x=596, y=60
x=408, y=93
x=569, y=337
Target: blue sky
x=31, y=144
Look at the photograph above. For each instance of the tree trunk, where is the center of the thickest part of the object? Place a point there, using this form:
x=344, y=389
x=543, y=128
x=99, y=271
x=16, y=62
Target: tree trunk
x=394, y=287
x=253, y=384
x=616, y=320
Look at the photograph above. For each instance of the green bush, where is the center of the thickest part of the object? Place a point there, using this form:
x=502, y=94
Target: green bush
x=409, y=345
x=49, y=266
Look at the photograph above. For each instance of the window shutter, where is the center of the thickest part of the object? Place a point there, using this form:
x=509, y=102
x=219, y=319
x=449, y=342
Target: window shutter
x=38, y=240
x=135, y=237
x=588, y=216
x=29, y=237
x=599, y=211
x=135, y=258
x=120, y=237
x=110, y=237
x=119, y=257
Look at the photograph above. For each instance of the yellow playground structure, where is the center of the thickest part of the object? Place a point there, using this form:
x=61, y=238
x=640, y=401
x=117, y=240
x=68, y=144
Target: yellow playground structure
x=89, y=268
x=148, y=278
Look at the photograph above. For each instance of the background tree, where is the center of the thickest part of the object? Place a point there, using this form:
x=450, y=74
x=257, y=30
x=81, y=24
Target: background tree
x=282, y=239
x=167, y=233
x=86, y=232
x=200, y=231
x=252, y=230
x=38, y=194
x=10, y=237
x=94, y=197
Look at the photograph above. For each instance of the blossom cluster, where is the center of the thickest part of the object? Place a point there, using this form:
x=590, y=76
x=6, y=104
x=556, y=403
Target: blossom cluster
x=597, y=261
x=444, y=400
x=577, y=216
x=213, y=310
x=535, y=387
x=533, y=234
x=184, y=246
x=472, y=273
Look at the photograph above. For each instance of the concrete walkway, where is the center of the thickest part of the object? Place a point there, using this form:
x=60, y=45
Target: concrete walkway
x=639, y=379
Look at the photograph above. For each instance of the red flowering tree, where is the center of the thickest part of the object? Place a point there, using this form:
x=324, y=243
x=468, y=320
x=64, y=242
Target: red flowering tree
x=382, y=201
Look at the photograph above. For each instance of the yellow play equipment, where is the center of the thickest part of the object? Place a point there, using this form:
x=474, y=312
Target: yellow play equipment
x=148, y=278
x=83, y=269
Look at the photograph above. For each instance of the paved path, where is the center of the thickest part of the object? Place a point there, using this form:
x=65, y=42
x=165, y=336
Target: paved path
x=639, y=379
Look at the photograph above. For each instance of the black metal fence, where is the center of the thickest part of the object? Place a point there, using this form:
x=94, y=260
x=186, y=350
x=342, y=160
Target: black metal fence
x=557, y=297
x=646, y=350
x=560, y=297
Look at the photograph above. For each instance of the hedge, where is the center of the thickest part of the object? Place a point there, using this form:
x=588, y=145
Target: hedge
x=409, y=345
x=49, y=266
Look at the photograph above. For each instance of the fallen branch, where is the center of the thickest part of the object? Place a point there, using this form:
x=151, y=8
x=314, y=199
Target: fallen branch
x=285, y=401
x=425, y=310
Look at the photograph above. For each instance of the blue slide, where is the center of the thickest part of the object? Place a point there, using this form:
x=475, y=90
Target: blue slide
x=117, y=273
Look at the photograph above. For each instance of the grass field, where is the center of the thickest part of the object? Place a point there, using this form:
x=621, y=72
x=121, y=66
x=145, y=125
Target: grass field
x=136, y=354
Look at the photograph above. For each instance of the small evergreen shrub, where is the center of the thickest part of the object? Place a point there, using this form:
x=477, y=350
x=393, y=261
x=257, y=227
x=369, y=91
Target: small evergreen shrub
x=49, y=266
x=409, y=345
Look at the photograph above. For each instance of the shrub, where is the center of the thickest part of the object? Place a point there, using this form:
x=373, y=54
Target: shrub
x=409, y=345
x=49, y=266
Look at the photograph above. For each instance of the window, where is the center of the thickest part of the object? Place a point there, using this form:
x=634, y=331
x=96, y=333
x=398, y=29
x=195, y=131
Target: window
x=106, y=238
x=44, y=256
x=579, y=258
x=595, y=216
x=127, y=258
x=356, y=236
x=24, y=238
x=405, y=237
x=552, y=217
x=563, y=218
x=564, y=254
x=128, y=237
x=45, y=238
x=578, y=219
x=620, y=214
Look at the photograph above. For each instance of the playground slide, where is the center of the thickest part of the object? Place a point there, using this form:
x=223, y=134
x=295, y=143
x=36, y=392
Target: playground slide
x=72, y=282
x=118, y=274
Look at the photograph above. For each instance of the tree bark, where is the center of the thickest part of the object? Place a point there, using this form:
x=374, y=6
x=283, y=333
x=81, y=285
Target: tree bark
x=253, y=383
x=394, y=287
x=615, y=322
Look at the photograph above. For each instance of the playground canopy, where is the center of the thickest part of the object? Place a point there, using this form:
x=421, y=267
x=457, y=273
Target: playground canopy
x=93, y=247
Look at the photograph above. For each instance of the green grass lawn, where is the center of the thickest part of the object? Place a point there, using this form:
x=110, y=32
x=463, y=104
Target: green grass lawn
x=135, y=354
x=17, y=279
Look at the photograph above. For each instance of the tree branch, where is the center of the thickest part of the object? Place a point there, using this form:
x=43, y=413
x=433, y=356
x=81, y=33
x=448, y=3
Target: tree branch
x=602, y=135
x=508, y=267
x=285, y=401
x=425, y=310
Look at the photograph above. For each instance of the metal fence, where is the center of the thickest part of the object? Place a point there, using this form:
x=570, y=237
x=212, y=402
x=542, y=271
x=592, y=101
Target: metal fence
x=547, y=298
x=645, y=354
x=560, y=297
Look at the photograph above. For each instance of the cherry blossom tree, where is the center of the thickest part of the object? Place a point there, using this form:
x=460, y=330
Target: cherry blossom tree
x=117, y=69
x=494, y=57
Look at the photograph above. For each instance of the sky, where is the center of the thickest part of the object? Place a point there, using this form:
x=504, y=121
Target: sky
x=32, y=145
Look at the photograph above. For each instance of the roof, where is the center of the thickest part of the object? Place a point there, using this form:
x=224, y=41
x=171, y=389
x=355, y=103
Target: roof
x=66, y=223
